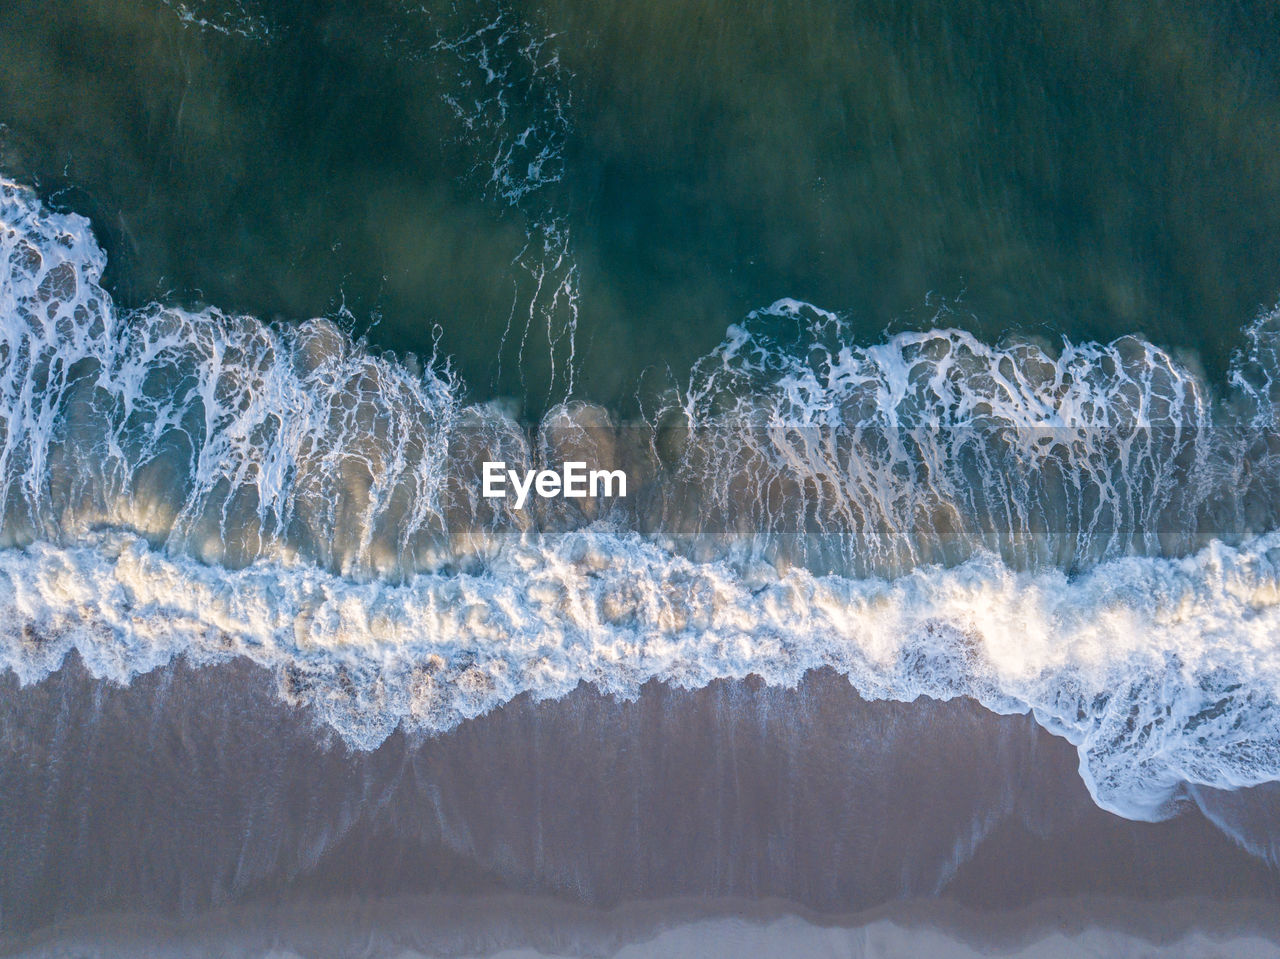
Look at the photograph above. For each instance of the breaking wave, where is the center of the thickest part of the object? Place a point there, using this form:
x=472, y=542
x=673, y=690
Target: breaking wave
x=1086, y=536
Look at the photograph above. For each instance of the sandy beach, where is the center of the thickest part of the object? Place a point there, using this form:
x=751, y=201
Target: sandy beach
x=195, y=802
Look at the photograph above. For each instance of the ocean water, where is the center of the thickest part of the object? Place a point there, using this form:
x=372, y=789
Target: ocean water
x=939, y=346
x=649, y=174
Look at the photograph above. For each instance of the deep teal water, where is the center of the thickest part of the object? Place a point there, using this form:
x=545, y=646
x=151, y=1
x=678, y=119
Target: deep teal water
x=1045, y=167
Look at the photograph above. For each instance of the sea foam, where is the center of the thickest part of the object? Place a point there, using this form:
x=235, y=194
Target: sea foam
x=197, y=484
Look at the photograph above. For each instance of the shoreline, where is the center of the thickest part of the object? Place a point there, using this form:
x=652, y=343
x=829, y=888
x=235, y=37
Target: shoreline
x=456, y=926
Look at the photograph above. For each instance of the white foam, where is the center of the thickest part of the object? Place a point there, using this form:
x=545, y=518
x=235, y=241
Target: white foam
x=237, y=18
x=216, y=434
x=1160, y=671
x=512, y=101
x=933, y=445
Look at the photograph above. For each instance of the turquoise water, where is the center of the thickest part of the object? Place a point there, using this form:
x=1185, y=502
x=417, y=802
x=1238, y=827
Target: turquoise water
x=569, y=194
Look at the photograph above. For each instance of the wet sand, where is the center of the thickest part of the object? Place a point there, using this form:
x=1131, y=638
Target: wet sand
x=530, y=928
x=194, y=804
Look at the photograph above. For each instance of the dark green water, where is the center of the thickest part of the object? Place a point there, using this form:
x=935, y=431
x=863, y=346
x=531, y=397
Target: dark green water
x=1079, y=167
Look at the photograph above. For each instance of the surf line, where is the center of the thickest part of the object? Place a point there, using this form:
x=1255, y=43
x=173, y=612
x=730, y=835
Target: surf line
x=573, y=481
